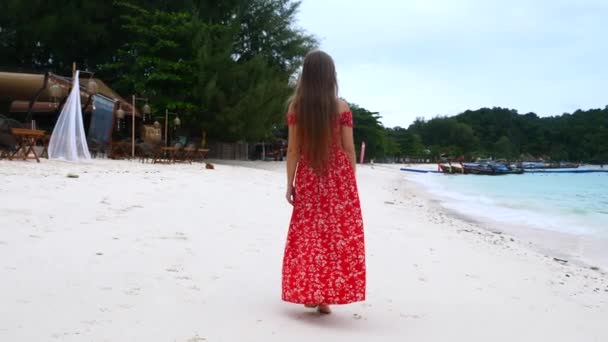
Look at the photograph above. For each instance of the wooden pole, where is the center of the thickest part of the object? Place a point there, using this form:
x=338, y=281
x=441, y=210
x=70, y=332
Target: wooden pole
x=133, y=128
x=362, y=159
x=166, y=126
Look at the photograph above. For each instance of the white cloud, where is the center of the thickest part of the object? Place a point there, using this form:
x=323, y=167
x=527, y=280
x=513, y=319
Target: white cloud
x=428, y=57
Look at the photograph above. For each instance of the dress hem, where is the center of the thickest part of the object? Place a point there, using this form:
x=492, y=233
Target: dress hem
x=327, y=303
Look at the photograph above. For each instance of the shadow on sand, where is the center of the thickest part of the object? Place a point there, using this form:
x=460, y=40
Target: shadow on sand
x=339, y=320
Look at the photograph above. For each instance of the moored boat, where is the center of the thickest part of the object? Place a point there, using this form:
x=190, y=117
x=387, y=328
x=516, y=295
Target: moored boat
x=548, y=165
x=491, y=169
x=481, y=167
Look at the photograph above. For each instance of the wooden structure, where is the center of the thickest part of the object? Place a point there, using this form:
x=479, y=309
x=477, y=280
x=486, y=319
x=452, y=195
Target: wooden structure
x=31, y=99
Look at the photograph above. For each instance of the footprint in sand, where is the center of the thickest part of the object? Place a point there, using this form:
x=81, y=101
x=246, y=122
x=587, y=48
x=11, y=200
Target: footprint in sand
x=127, y=209
x=175, y=269
x=133, y=291
x=410, y=316
x=177, y=236
x=64, y=334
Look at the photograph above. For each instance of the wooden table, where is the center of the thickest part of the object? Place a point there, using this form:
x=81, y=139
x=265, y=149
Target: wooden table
x=26, y=141
x=166, y=155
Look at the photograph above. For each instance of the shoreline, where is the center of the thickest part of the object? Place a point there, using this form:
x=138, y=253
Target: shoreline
x=582, y=250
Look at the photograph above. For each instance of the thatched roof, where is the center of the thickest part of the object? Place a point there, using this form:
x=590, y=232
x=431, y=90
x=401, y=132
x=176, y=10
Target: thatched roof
x=21, y=88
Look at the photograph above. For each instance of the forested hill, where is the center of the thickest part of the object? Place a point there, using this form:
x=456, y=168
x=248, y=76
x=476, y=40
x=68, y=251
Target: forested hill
x=491, y=132
x=504, y=133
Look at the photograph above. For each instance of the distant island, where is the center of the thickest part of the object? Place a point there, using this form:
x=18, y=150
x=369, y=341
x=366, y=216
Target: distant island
x=490, y=133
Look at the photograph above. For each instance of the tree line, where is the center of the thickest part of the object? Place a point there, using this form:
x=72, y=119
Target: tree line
x=499, y=133
x=225, y=66
x=229, y=66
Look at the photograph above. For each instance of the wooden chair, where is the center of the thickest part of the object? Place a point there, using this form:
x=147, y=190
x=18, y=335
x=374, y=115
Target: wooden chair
x=8, y=142
x=45, y=142
x=120, y=150
x=189, y=153
x=148, y=151
x=94, y=147
x=7, y=145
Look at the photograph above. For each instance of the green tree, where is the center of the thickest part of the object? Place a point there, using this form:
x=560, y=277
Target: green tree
x=408, y=144
x=503, y=148
x=370, y=130
x=503, y=132
x=245, y=63
x=50, y=35
x=158, y=61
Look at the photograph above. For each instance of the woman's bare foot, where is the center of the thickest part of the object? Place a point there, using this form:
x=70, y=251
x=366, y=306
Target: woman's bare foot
x=324, y=309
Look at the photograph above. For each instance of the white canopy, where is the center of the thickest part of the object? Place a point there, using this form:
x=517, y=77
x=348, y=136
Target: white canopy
x=68, y=141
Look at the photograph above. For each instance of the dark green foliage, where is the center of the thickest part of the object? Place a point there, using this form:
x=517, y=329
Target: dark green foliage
x=224, y=66
x=489, y=132
x=42, y=35
x=503, y=133
x=368, y=128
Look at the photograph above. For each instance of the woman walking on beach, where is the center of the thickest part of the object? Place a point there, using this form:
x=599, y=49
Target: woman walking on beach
x=324, y=260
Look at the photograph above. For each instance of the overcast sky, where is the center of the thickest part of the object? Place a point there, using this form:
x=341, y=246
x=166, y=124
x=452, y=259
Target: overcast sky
x=410, y=58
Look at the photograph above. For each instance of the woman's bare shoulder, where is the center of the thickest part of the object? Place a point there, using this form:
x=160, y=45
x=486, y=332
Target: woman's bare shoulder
x=343, y=106
x=291, y=108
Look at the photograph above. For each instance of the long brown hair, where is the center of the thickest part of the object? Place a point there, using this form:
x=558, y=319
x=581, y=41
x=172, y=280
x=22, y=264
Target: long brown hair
x=315, y=106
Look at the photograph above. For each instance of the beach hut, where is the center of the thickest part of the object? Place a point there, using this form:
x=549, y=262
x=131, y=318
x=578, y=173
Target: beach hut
x=37, y=100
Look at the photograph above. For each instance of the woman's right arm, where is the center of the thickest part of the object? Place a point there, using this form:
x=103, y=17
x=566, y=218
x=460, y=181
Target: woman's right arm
x=346, y=133
x=348, y=144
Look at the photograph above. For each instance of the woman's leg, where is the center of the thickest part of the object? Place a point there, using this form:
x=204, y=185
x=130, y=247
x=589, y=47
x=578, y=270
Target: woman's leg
x=324, y=309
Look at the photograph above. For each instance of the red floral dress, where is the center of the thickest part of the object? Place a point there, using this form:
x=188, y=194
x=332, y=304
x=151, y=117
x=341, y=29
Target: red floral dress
x=324, y=260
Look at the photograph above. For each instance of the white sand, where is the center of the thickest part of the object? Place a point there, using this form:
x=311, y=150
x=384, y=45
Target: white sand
x=132, y=252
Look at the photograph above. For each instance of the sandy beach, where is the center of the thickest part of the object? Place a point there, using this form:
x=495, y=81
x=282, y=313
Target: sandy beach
x=142, y=252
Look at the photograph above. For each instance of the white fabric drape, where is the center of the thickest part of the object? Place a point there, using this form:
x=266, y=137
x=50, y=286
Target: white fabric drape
x=68, y=141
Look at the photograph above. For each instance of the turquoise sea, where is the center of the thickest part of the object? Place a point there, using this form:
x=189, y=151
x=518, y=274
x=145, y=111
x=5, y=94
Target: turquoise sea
x=573, y=204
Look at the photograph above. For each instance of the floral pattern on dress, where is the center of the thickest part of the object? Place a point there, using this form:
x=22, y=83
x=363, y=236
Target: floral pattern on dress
x=324, y=261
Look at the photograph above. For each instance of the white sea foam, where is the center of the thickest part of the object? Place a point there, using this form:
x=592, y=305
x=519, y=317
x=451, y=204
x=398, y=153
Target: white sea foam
x=566, y=203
